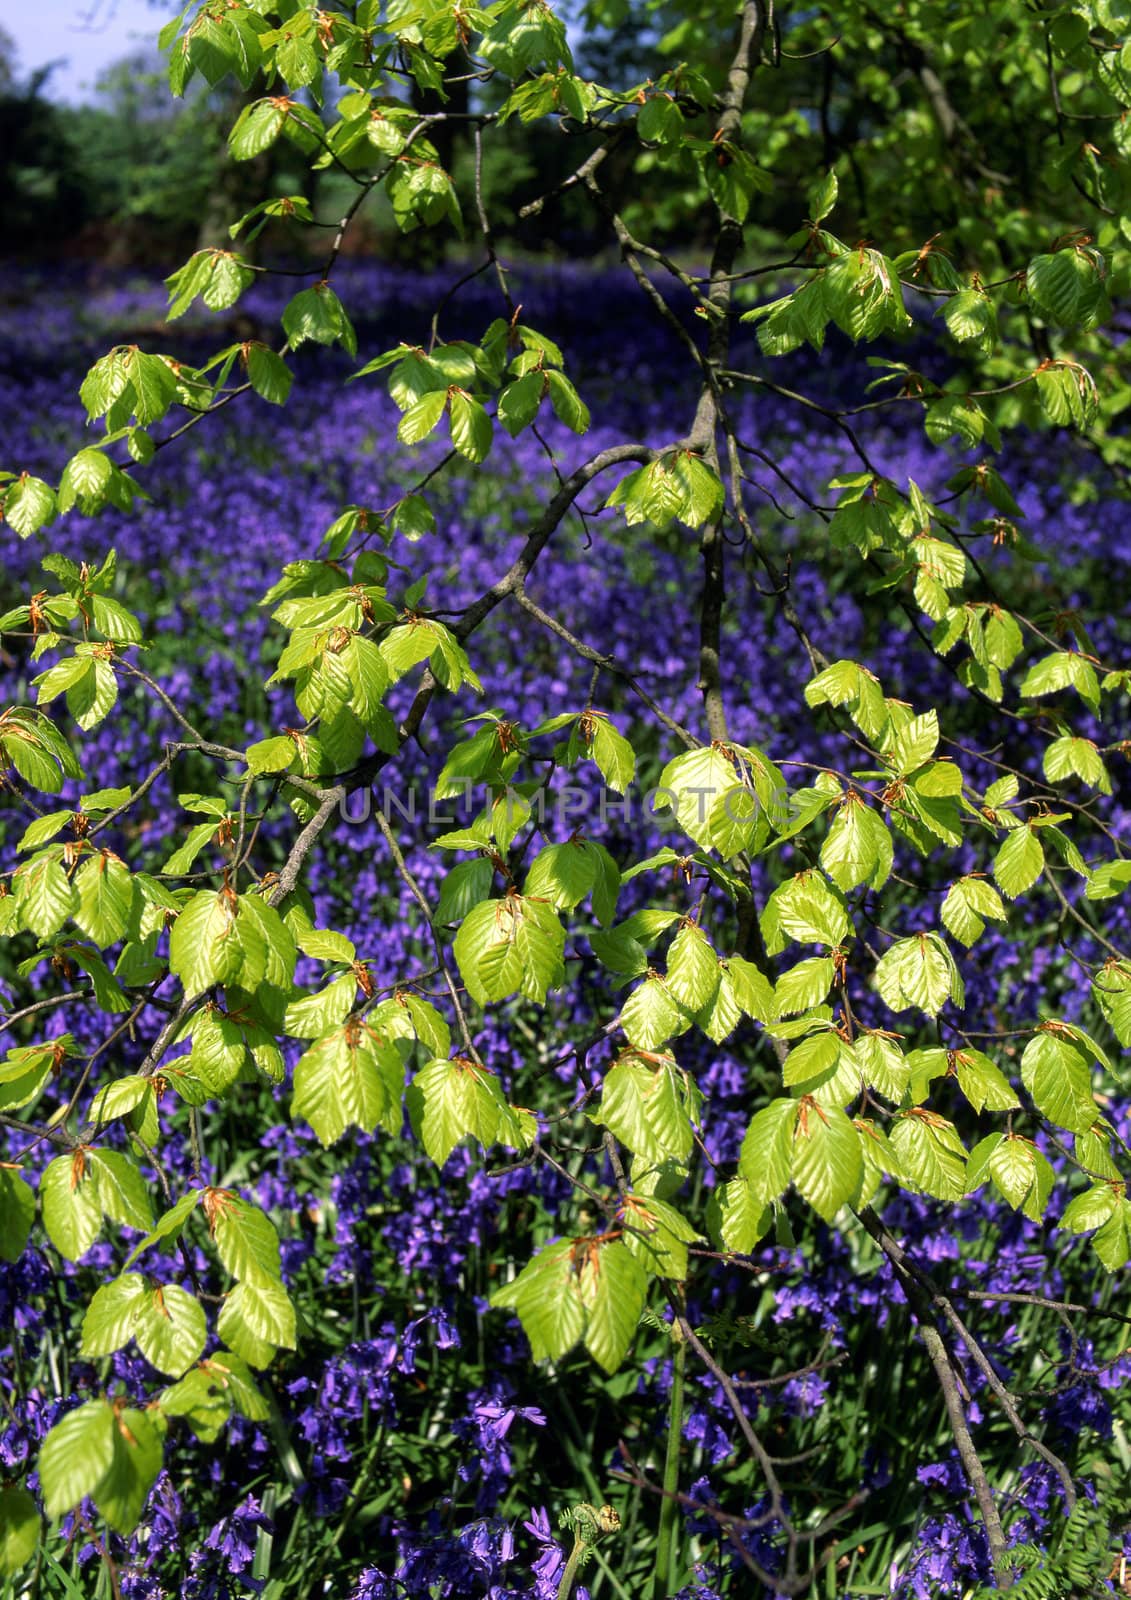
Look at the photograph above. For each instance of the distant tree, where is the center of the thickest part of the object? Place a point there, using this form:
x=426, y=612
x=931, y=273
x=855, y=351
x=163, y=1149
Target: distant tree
x=43, y=197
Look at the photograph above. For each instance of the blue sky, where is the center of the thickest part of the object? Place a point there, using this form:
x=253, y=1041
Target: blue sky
x=87, y=34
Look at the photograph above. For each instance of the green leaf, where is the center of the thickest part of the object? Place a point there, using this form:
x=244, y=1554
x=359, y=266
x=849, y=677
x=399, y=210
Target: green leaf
x=806, y=908
x=1091, y=1209
x=1019, y=862
x=978, y=1167
x=324, y=944
x=206, y=1396
x=105, y=892
x=203, y=948
x=651, y=1014
x=846, y=683
x=766, y=1158
x=619, y=952
x=954, y=416
x=823, y=1066
x=76, y=1457
x=170, y=1225
x=227, y=280
x=256, y=129
x=28, y=505
x=1093, y=1152
x=823, y=197
x=72, y=1213
x=507, y=945
x=1064, y=669
x=1112, y=989
x=470, y=426
x=568, y=405
x=421, y=417
x=64, y=676
x=19, y=1528
x=752, y=989
x=930, y=1154
x=827, y=1163
x=122, y=1192
x=1070, y=757
x=17, y=1213
x=606, y=888
x=464, y=887
x=615, y=757
x=170, y=1329
x=368, y=677
x=85, y=477
x=1108, y=880
x=882, y=1065
x=983, y=1084
x=154, y=385
x=452, y=1100
x=257, y=1316
x=266, y=1309
x=733, y=178
x=349, y=1078
x=25, y=1071
x=246, y=1239
x=201, y=835
x=879, y=1159
x=563, y=874
x=114, y=622
x=217, y=1049
x=913, y=744
x=108, y=992
x=649, y=1104
x=31, y=750
x=919, y=971
x=264, y=936
x=968, y=902
x=722, y=1013
x=804, y=985
x=43, y=829
x=858, y=847
x=413, y=517
x=228, y=1370
x=657, y=1235
x=92, y=696
x=1056, y=1069
x=1066, y=286
x=678, y=484
x=614, y=1286
x=659, y=120
x=1112, y=1242
x=317, y=315
x=692, y=976
x=46, y=896
x=268, y=374
x=971, y=319
x=407, y=1016
x=136, y=1462
x=546, y=1296
x=202, y=1400
x=1068, y=394
x=313, y=1015
x=470, y=758
x=1022, y=1176
x=111, y=1315
x=863, y=294
x=519, y=402
x=736, y=1217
